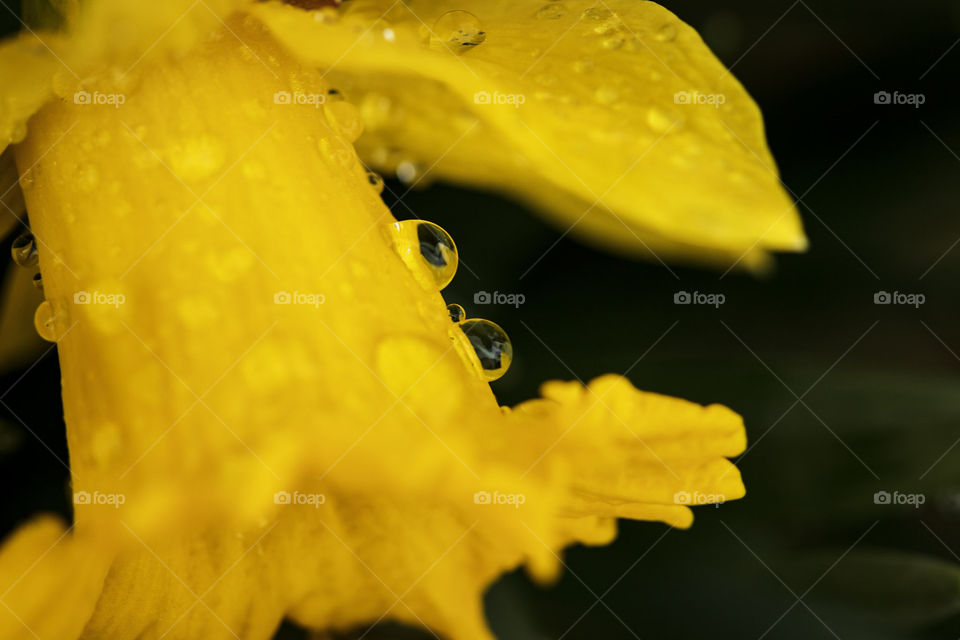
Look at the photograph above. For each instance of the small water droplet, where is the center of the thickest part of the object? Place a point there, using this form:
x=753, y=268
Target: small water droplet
x=326, y=14
x=64, y=84
x=344, y=118
x=583, y=65
x=337, y=152
x=614, y=41
x=457, y=31
x=606, y=95
x=334, y=95
x=666, y=33
x=596, y=13
x=24, y=250
x=48, y=322
x=457, y=313
x=18, y=133
x=106, y=444
x=375, y=180
x=26, y=179
x=88, y=178
x=407, y=172
x=491, y=345
x=427, y=250
x=195, y=159
x=552, y=11
x=658, y=120
x=38, y=281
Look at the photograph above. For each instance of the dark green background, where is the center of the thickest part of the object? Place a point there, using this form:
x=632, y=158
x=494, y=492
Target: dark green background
x=884, y=392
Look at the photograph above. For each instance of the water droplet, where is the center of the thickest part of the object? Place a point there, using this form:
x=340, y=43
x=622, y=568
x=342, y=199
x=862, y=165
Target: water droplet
x=407, y=172
x=326, y=14
x=606, y=95
x=457, y=31
x=666, y=33
x=375, y=180
x=106, y=444
x=63, y=84
x=197, y=158
x=427, y=250
x=614, y=42
x=334, y=95
x=48, y=322
x=337, y=152
x=24, y=250
x=457, y=313
x=38, y=281
x=18, y=133
x=491, y=345
x=583, y=65
x=553, y=11
x=658, y=120
x=88, y=178
x=596, y=13
x=26, y=179
x=344, y=118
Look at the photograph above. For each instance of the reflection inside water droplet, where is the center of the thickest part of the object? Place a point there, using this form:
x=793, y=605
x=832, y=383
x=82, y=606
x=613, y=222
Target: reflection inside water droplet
x=24, y=250
x=375, y=180
x=457, y=31
x=491, y=345
x=48, y=322
x=427, y=250
x=457, y=313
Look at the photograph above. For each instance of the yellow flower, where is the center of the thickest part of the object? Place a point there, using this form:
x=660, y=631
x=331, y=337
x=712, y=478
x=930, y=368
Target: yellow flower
x=269, y=410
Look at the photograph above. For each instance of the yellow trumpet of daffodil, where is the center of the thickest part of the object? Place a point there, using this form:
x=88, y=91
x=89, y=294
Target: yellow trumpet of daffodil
x=269, y=410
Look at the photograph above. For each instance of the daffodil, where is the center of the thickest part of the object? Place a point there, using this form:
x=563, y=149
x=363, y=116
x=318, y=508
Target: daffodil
x=270, y=412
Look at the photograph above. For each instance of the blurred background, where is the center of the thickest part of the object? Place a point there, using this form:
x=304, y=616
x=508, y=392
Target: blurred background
x=850, y=406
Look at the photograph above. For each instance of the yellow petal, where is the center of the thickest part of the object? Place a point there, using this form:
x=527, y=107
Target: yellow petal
x=49, y=582
x=575, y=107
x=268, y=412
x=112, y=37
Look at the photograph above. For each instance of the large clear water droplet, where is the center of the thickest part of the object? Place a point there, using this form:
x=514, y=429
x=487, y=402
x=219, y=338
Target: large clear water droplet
x=24, y=250
x=491, y=345
x=48, y=322
x=344, y=118
x=427, y=250
x=457, y=31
